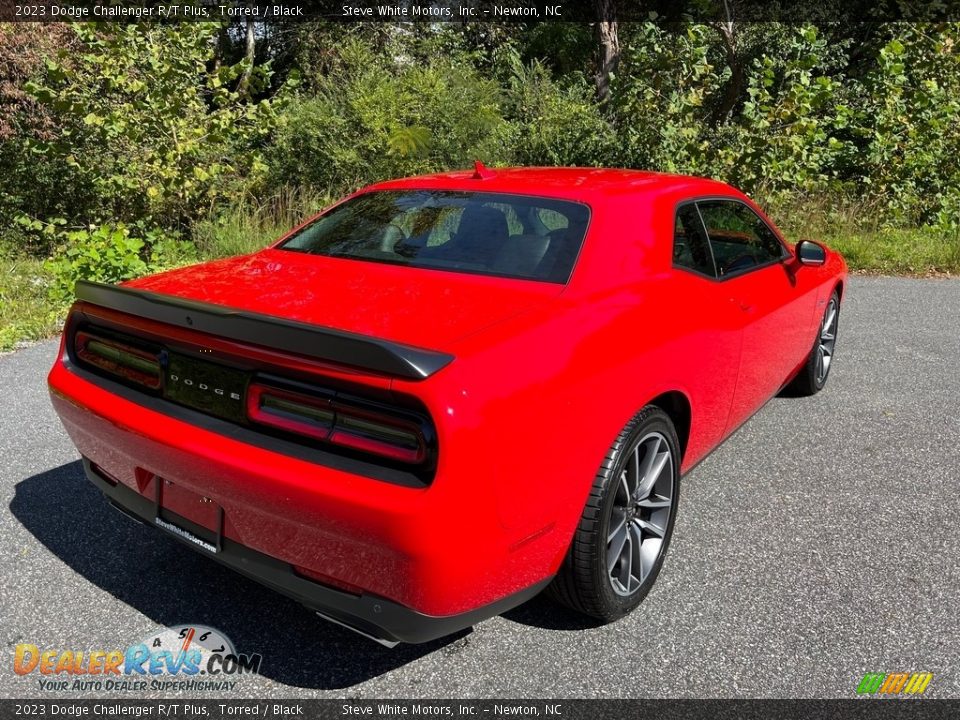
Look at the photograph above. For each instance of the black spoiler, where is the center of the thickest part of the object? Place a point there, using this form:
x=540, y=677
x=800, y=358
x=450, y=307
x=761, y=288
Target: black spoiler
x=335, y=346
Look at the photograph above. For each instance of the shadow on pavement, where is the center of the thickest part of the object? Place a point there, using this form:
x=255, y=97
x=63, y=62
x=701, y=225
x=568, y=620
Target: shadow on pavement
x=172, y=585
x=542, y=612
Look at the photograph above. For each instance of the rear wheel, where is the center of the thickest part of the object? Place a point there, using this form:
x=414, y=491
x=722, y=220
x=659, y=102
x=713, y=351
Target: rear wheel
x=813, y=375
x=619, y=545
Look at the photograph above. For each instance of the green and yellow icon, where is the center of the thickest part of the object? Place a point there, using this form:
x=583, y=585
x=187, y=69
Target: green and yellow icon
x=894, y=683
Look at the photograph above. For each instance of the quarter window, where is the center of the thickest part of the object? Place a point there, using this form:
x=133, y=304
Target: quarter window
x=690, y=247
x=739, y=238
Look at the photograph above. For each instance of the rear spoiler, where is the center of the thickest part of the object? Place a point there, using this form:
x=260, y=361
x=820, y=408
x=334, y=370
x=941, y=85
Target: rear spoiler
x=322, y=343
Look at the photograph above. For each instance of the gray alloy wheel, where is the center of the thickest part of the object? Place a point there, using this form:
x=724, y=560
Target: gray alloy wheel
x=624, y=531
x=640, y=514
x=812, y=376
x=828, y=340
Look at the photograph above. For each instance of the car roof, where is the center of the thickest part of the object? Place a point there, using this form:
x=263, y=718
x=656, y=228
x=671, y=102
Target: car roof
x=575, y=183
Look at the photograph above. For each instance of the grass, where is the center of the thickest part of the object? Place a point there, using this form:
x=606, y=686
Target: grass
x=248, y=226
x=27, y=313
x=900, y=252
x=869, y=247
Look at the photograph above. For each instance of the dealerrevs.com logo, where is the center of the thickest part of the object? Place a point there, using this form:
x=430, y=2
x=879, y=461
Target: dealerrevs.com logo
x=183, y=657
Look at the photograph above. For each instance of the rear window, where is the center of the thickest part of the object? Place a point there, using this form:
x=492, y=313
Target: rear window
x=515, y=236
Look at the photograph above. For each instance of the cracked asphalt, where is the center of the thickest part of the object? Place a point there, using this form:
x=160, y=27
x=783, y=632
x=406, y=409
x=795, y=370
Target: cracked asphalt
x=818, y=543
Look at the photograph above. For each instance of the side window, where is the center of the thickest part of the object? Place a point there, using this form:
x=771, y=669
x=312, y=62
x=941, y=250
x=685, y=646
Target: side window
x=421, y=226
x=739, y=238
x=690, y=247
x=446, y=222
x=513, y=220
x=552, y=220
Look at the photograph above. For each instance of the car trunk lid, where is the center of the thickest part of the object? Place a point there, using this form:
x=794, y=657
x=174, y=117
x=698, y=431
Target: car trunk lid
x=423, y=308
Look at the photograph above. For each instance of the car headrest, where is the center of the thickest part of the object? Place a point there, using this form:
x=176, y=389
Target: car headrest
x=481, y=225
x=392, y=236
x=521, y=254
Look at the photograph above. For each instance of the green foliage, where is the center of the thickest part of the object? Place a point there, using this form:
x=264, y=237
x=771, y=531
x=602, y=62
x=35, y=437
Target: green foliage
x=553, y=123
x=783, y=132
x=111, y=253
x=145, y=126
x=661, y=98
x=127, y=149
x=26, y=312
x=792, y=120
x=899, y=251
x=147, y=123
x=911, y=122
x=248, y=225
x=376, y=118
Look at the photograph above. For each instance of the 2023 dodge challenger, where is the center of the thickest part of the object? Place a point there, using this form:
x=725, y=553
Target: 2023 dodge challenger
x=447, y=393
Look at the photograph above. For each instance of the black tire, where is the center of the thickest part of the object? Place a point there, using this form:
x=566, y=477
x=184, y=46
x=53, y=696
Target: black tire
x=810, y=380
x=584, y=582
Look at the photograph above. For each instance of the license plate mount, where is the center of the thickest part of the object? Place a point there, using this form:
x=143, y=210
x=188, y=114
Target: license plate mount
x=188, y=516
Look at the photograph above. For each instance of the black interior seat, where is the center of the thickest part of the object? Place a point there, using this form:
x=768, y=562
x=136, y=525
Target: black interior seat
x=521, y=255
x=479, y=237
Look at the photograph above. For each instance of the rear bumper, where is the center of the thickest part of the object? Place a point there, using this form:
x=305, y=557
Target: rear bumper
x=396, y=562
x=380, y=619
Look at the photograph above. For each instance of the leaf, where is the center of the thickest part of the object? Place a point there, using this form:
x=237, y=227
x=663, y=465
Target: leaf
x=410, y=141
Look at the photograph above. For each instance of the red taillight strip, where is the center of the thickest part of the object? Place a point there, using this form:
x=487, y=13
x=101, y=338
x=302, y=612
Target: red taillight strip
x=119, y=359
x=337, y=423
x=276, y=417
x=377, y=447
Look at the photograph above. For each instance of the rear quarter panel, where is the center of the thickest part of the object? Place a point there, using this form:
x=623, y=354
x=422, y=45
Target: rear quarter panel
x=528, y=410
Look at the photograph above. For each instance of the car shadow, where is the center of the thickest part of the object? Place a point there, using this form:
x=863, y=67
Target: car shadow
x=542, y=612
x=173, y=585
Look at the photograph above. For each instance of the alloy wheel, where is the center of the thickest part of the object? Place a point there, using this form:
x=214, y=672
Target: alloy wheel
x=828, y=339
x=640, y=515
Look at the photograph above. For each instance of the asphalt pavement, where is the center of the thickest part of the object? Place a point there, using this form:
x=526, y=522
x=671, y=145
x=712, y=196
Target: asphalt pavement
x=819, y=543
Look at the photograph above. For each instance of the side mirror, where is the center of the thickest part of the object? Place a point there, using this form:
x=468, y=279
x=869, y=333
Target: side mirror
x=810, y=253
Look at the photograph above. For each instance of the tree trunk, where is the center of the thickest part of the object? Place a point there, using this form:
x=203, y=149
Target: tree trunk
x=222, y=38
x=731, y=95
x=243, y=87
x=609, y=41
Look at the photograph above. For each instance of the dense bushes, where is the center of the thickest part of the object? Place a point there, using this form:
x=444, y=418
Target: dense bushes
x=807, y=120
x=145, y=127
x=372, y=119
x=124, y=148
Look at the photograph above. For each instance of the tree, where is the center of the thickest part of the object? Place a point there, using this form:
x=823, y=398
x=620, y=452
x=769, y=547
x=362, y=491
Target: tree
x=609, y=45
x=145, y=125
x=249, y=56
x=734, y=88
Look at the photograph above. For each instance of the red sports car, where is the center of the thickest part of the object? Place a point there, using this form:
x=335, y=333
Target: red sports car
x=445, y=394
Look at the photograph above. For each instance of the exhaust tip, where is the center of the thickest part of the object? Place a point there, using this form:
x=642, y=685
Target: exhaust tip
x=389, y=644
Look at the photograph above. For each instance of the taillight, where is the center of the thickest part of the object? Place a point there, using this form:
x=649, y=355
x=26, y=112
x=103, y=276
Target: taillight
x=337, y=422
x=117, y=358
x=379, y=435
x=293, y=412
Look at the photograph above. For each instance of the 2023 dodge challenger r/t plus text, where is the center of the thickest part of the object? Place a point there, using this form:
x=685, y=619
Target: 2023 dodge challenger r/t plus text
x=447, y=393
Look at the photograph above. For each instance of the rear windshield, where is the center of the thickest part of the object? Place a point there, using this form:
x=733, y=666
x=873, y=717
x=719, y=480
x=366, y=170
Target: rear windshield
x=490, y=233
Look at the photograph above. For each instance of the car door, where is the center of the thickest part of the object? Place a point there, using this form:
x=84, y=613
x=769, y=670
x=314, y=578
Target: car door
x=752, y=268
x=711, y=328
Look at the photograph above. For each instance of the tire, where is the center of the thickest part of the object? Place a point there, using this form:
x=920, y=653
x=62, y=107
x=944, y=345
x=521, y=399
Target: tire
x=813, y=375
x=594, y=578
